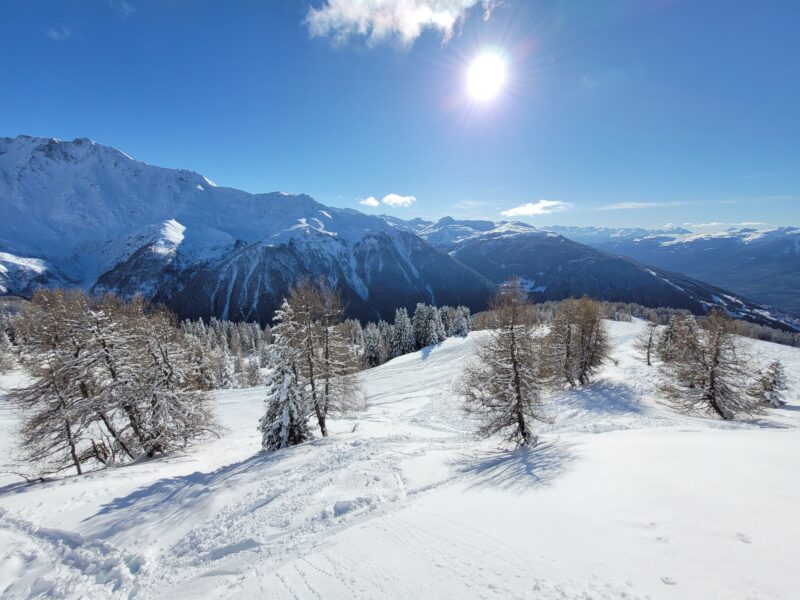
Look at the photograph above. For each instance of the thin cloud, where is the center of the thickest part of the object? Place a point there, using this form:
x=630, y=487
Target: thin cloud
x=638, y=205
x=371, y=201
x=379, y=20
x=122, y=7
x=59, y=34
x=542, y=207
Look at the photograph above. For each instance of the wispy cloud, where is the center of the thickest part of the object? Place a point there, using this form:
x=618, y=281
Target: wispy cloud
x=378, y=20
x=124, y=7
x=542, y=207
x=60, y=33
x=724, y=225
x=639, y=205
x=393, y=200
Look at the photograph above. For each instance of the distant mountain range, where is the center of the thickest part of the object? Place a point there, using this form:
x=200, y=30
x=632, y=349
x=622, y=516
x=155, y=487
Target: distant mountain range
x=553, y=267
x=763, y=265
x=82, y=214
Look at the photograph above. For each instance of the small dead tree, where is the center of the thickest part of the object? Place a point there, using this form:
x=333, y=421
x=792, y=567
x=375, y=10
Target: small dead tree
x=500, y=387
x=646, y=342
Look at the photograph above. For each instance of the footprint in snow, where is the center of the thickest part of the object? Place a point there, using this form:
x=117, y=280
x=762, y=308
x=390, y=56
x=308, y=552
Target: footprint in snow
x=744, y=538
x=668, y=580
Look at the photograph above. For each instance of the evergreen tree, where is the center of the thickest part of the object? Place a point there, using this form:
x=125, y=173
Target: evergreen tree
x=460, y=321
x=770, y=385
x=402, y=334
x=286, y=420
x=372, y=345
x=6, y=355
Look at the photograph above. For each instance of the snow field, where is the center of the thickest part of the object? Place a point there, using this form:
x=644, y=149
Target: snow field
x=622, y=498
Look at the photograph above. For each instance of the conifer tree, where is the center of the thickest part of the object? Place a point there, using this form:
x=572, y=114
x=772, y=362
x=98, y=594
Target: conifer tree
x=402, y=334
x=712, y=375
x=6, y=356
x=501, y=388
x=286, y=420
x=770, y=385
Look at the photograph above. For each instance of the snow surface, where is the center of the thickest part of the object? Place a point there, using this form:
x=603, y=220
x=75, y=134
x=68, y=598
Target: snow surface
x=623, y=498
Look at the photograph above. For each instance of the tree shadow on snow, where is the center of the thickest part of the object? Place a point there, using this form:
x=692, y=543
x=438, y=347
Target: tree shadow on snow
x=605, y=397
x=164, y=502
x=520, y=469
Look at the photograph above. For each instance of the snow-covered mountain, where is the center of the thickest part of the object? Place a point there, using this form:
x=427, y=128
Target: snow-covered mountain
x=763, y=265
x=81, y=213
x=553, y=267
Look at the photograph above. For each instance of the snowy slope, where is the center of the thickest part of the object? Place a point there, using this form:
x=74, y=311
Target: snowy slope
x=82, y=213
x=623, y=498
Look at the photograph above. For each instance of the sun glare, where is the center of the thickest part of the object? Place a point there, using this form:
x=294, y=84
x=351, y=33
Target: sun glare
x=486, y=76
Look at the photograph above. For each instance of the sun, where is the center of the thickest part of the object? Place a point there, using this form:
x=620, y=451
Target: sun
x=486, y=76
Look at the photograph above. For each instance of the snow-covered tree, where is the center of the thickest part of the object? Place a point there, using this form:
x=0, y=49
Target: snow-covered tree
x=427, y=324
x=459, y=321
x=770, y=385
x=402, y=334
x=6, y=356
x=227, y=370
x=712, y=376
x=501, y=387
x=127, y=371
x=286, y=420
x=372, y=345
x=173, y=405
x=52, y=433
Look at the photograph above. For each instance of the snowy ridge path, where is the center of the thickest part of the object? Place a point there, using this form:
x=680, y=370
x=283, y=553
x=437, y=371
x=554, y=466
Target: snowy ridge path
x=622, y=499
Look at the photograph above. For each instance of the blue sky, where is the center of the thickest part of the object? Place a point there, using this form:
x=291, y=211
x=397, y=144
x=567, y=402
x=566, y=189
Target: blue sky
x=621, y=112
